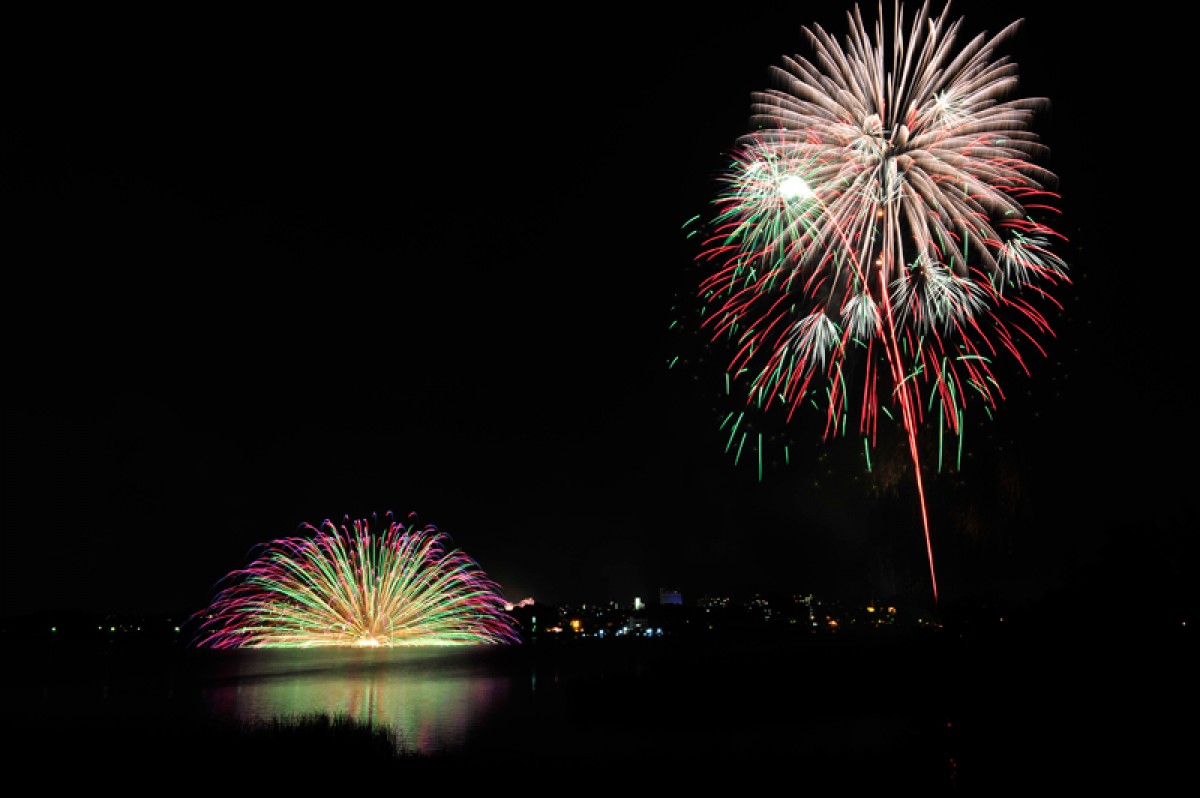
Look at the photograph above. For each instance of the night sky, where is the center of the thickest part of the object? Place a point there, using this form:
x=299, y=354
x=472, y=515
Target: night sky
x=272, y=269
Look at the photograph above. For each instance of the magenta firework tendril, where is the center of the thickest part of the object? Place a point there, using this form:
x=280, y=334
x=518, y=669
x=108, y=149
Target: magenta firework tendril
x=880, y=240
x=348, y=585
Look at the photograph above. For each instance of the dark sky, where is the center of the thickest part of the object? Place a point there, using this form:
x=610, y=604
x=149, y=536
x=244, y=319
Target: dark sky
x=266, y=270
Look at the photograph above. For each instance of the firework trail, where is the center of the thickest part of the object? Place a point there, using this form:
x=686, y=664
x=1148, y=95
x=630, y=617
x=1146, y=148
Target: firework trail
x=348, y=586
x=880, y=226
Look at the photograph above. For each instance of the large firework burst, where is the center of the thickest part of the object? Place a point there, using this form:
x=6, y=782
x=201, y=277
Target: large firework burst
x=884, y=224
x=348, y=586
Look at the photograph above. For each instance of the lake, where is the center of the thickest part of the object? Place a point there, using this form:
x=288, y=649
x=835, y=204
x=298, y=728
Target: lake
x=940, y=714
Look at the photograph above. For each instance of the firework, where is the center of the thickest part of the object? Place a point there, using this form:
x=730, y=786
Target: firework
x=348, y=586
x=879, y=241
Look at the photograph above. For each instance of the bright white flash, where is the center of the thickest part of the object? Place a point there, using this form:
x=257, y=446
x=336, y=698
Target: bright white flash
x=794, y=187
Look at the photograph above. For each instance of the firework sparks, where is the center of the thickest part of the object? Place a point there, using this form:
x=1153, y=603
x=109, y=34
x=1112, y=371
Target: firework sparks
x=884, y=224
x=348, y=586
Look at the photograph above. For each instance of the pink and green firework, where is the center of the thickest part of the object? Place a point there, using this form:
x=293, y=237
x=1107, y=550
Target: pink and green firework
x=879, y=241
x=350, y=586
